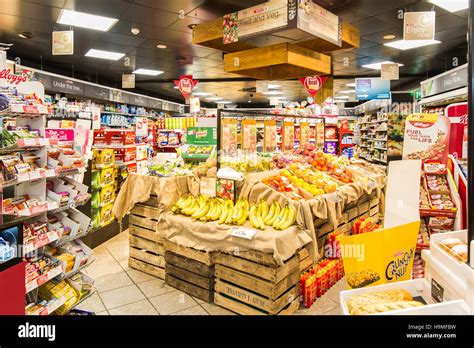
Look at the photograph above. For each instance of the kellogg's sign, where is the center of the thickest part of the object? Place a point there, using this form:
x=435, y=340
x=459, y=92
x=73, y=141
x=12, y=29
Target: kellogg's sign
x=11, y=78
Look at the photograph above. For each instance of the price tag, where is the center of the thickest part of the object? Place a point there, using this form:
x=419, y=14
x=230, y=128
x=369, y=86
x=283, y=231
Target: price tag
x=30, y=142
x=51, y=173
x=243, y=232
x=43, y=279
x=22, y=177
x=35, y=175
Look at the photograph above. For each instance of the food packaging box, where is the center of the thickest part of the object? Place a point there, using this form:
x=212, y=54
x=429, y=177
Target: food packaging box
x=127, y=154
x=141, y=152
x=417, y=288
x=95, y=219
x=107, y=194
x=106, y=214
x=100, y=137
x=95, y=179
x=120, y=137
x=95, y=200
x=107, y=176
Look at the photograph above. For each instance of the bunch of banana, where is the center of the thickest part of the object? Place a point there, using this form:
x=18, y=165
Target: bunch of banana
x=286, y=218
x=258, y=214
x=240, y=212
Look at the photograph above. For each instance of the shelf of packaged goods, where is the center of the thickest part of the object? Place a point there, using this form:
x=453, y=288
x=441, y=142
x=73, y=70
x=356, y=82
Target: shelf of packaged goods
x=381, y=130
x=122, y=164
x=122, y=114
x=28, y=144
x=48, y=238
x=171, y=130
x=35, y=283
x=380, y=148
x=347, y=145
x=82, y=299
x=52, y=306
x=68, y=239
x=31, y=212
x=331, y=140
x=26, y=111
x=105, y=125
x=168, y=146
x=42, y=174
x=380, y=121
x=70, y=205
x=379, y=160
x=384, y=140
x=77, y=270
x=114, y=146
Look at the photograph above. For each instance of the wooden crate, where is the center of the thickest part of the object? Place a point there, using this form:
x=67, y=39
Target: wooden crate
x=190, y=271
x=146, y=246
x=250, y=288
x=305, y=260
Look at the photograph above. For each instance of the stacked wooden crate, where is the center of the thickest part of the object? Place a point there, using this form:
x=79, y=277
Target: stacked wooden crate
x=146, y=246
x=190, y=270
x=252, y=283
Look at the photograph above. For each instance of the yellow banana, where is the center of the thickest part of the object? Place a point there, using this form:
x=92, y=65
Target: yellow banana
x=260, y=222
x=253, y=217
x=226, y=210
x=191, y=210
x=264, y=209
x=211, y=210
x=275, y=214
x=281, y=218
x=290, y=220
x=217, y=212
x=237, y=211
x=201, y=212
x=270, y=213
x=188, y=202
x=244, y=214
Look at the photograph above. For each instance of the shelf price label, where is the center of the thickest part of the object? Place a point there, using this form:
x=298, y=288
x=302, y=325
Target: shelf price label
x=249, y=135
x=242, y=232
x=270, y=135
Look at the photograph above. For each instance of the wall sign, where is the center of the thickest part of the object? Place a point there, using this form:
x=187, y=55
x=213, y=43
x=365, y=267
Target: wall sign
x=426, y=138
x=128, y=81
x=453, y=79
x=186, y=84
x=62, y=43
x=96, y=92
x=137, y=100
x=389, y=71
x=288, y=135
x=419, y=25
x=61, y=134
x=229, y=135
x=372, y=88
x=66, y=86
x=270, y=135
x=313, y=83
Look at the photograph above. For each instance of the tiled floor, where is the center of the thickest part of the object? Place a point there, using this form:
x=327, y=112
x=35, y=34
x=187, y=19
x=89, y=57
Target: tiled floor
x=121, y=290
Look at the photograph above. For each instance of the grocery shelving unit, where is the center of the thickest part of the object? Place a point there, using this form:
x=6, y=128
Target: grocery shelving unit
x=372, y=138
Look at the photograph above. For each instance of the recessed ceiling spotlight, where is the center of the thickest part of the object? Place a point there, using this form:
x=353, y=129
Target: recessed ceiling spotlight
x=272, y=86
x=86, y=20
x=378, y=66
x=389, y=37
x=160, y=46
x=250, y=101
x=104, y=54
x=192, y=26
x=451, y=5
x=224, y=102
x=26, y=35
x=135, y=31
x=409, y=44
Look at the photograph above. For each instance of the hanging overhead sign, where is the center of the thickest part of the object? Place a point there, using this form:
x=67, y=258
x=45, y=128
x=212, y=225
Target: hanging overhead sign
x=186, y=84
x=194, y=105
x=372, y=88
x=450, y=80
x=389, y=71
x=63, y=43
x=419, y=25
x=313, y=83
x=128, y=81
x=262, y=18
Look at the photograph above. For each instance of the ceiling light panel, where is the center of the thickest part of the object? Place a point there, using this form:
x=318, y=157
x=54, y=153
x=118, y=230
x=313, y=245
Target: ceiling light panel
x=451, y=5
x=104, y=54
x=409, y=44
x=378, y=66
x=86, y=20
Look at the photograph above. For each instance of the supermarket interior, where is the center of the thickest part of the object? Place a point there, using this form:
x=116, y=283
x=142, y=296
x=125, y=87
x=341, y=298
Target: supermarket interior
x=224, y=157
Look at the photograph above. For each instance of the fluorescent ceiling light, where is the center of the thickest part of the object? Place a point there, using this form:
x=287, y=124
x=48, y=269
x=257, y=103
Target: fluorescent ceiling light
x=272, y=93
x=378, y=66
x=214, y=98
x=147, y=72
x=224, y=102
x=351, y=84
x=85, y=20
x=451, y=5
x=104, y=54
x=272, y=86
x=201, y=94
x=349, y=91
x=341, y=97
x=409, y=44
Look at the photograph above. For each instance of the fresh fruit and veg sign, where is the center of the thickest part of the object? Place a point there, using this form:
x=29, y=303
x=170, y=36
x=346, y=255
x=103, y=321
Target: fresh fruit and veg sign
x=313, y=83
x=270, y=135
x=229, y=135
x=426, y=138
x=186, y=84
x=249, y=135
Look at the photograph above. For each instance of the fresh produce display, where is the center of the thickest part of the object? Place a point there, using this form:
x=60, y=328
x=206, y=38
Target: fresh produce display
x=305, y=177
x=198, y=150
x=364, y=225
x=10, y=138
x=174, y=167
x=247, y=163
x=282, y=184
x=260, y=215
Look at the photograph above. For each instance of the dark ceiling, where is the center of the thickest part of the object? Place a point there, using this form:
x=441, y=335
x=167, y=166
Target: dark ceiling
x=159, y=23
